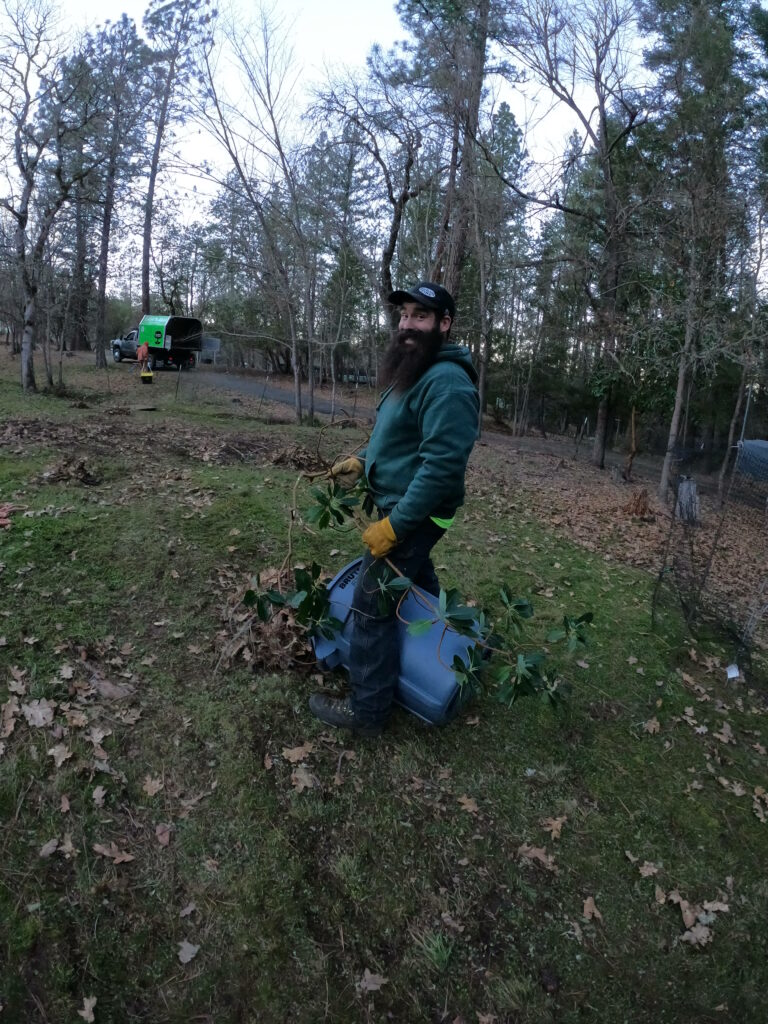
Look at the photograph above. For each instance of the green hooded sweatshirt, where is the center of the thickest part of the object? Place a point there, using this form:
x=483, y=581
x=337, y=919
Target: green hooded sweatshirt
x=417, y=455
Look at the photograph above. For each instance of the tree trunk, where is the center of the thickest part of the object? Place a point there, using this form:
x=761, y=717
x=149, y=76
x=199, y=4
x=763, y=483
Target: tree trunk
x=732, y=431
x=674, y=427
x=106, y=230
x=627, y=474
x=436, y=271
x=74, y=335
x=150, y=198
x=472, y=78
x=28, y=339
x=601, y=432
x=682, y=373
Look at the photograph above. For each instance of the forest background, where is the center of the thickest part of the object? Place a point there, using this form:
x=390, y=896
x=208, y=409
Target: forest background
x=619, y=294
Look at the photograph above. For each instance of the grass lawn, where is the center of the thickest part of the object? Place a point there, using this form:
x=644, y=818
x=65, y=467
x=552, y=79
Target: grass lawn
x=181, y=841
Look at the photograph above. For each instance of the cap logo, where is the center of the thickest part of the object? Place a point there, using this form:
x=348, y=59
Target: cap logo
x=427, y=291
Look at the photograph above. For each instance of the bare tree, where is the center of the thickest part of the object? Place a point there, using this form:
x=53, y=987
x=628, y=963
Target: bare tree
x=251, y=128
x=43, y=121
x=379, y=115
x=578, y=50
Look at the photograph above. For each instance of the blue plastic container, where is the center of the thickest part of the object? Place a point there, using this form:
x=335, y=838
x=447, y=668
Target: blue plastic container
x=427, y=686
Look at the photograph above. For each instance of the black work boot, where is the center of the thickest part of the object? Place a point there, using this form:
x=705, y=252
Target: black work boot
x=337, y=711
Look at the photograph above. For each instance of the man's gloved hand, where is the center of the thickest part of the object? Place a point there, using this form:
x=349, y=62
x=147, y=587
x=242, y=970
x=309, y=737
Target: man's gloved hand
x=347, y=472
x=380, y=538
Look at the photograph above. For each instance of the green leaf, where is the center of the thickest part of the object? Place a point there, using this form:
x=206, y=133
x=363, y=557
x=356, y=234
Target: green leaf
x=399, y=584
x=420, y=626
x=303, y=579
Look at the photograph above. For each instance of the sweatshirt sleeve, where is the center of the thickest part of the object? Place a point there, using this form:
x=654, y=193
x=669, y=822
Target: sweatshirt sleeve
x=448, y=419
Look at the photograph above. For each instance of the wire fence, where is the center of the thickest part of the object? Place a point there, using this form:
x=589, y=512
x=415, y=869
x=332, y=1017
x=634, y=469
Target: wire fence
x=715, y=560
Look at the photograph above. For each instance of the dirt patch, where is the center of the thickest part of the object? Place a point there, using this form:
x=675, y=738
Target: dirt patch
x=626, y=523
x=100, y=436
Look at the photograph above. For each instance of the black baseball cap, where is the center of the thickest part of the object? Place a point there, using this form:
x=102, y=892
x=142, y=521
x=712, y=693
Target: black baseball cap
x=428, y=294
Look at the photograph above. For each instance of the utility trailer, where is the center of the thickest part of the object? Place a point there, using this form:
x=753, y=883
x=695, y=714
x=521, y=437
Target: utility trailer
x=172, y=340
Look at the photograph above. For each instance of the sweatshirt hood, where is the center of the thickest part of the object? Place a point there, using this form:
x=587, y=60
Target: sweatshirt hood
x=452, y=353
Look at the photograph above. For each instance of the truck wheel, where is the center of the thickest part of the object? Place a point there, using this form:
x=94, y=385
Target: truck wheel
x=117, y=354
x=152, y=362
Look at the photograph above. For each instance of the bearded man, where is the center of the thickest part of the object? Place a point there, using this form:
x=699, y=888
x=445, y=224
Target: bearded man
x=415, y=462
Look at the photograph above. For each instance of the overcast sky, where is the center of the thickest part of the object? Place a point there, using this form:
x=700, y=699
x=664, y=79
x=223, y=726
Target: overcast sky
x=321, y=31
x=335, y=33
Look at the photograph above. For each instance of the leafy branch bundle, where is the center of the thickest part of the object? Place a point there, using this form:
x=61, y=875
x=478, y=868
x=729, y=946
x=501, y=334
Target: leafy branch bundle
x=501, y=659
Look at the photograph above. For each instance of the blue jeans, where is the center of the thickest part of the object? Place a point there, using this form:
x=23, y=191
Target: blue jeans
x=374, y=657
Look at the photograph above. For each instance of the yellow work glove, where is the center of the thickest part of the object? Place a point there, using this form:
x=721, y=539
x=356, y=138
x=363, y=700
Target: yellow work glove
x=347, y=472
x=380, y=538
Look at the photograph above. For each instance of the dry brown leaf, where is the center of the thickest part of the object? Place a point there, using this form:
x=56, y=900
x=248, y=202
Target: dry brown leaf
x=716, y=907
x=97, y=734
x=152, y=786
x=49, y=848
x=187, y=951
x=163, y=833
x=107, y=689
x=651, y=726
x=113, y=853
x=660, y=895
x=468, y=803
x=630, y=857
x=689, y=912
x=451, y=922
x=647, y=869
x=268, y=762
x=60, y=754
x=371, y=982
x=64, y=805
x=98, y=796
x=296, y=754
x=66, y=848
x=39, y=713
x=590, y=910
x=554, y=825
x=189, y=909
x=726, y=734
x=303, y=779
x=87, y=1011
x=539, y=855
x=8, y=714
x=698, y=935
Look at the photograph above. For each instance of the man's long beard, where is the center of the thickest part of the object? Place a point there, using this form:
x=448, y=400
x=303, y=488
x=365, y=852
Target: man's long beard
x=402, y=364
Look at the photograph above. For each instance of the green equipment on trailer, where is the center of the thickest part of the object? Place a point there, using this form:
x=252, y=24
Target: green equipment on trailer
x=173, y=340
